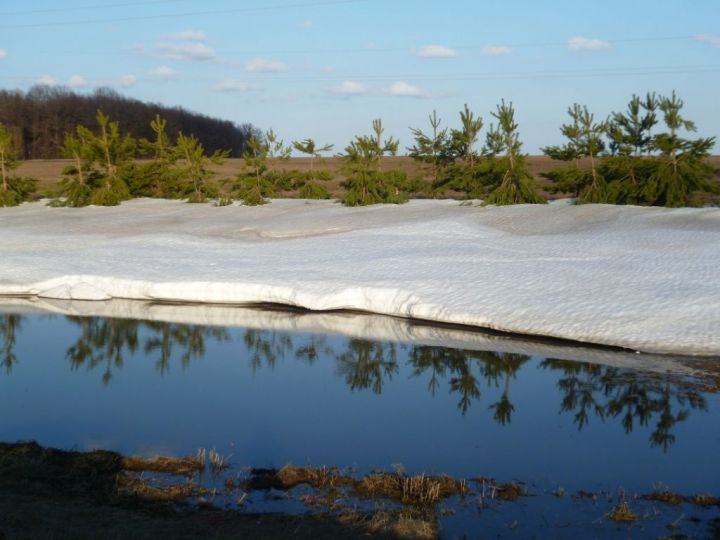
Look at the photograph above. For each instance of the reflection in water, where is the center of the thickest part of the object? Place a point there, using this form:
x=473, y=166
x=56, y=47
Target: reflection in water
x=608, y=392
x=656, y=400
x=9, y=325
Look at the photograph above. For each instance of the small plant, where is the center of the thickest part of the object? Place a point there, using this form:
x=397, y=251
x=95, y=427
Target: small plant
x=217, y=462
x=621, y=512
x=508, y=175
x=13, y=190
x=366, y=182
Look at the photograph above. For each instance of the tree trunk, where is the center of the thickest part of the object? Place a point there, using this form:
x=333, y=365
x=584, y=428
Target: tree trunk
x=4, y=171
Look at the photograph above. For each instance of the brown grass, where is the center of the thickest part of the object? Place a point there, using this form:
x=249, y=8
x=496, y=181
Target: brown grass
x=186, y=466
x=621, y=512
x=417, y=490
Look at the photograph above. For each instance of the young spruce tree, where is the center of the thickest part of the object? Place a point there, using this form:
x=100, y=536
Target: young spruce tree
x=13, y=190
x=585, y=140
x=311, y=187
x=509, y=177
x=366, y=182
x=680, y=168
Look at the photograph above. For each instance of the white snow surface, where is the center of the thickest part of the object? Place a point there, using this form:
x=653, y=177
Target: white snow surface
x=642, y=278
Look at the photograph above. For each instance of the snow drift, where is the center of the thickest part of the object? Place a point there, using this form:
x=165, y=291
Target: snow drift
x=642, y=278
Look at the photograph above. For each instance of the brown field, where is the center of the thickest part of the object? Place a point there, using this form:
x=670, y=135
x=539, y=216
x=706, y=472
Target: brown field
x=49, y=171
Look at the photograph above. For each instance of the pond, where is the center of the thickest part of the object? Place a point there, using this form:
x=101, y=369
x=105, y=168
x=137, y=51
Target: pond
x=578, y=428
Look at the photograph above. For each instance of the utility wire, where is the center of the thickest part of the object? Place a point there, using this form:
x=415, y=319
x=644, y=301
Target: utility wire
x=183, y=15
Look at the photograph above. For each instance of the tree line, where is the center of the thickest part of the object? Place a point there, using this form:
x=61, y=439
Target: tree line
x=39, y=118
x=639, y=156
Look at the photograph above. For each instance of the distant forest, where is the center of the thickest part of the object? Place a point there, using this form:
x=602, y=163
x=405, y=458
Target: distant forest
x=39, y=118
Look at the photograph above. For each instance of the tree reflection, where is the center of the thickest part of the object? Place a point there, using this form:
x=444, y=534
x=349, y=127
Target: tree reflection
x=633, y=398
x=266, y=347
x=106, y=342
x=366, y=363
x=466, y=369
x=9, y=326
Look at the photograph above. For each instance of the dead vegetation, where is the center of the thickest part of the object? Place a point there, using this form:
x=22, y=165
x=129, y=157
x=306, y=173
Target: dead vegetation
x=621, y=512
x=185, y=466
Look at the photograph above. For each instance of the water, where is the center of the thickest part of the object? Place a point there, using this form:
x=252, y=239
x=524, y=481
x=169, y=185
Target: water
x=268, y=397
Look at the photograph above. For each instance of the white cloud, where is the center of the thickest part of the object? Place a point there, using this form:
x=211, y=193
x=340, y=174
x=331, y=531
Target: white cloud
x=3, y=53
x=77, y=81
x=262, y=65
x=712, y=39
x=495, y=50
x=48, y=80
x=232, y=85
x=435, y=51
x=196, y=51
x=164, y=72
x=188, y=35
x=350, y=88
x=579, y=42
x=126, y=81
x=404, y=89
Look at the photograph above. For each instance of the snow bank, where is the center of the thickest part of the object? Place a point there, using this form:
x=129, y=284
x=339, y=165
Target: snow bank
x=641, y=278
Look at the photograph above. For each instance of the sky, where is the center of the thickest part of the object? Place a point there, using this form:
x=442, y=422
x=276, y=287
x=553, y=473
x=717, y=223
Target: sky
x=325, y=69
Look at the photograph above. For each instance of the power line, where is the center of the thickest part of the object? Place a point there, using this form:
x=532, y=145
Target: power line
x=183, y=15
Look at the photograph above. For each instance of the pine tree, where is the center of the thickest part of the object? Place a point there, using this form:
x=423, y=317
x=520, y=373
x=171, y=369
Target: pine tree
x=252, y=185
x=680, y=167
x=366, y=182
x=433, y=149
x=508, y=175
x=159, y=177
x=585, y=140
x=311, y=188
x=628, y=166
x=193, y=168
x=13, y=190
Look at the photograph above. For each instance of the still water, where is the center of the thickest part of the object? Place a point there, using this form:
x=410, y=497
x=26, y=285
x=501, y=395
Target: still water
x=268, y=397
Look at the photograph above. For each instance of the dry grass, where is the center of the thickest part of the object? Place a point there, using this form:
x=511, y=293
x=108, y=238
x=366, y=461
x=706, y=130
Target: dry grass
x=186, y=466
x=621, y=512
x=139, y=490
x=417, y=490
x=665, y=496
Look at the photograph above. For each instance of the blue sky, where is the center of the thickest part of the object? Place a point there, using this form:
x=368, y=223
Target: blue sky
x=325, y=69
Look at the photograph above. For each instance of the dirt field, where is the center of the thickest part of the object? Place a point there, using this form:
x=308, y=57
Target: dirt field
x=49, y=172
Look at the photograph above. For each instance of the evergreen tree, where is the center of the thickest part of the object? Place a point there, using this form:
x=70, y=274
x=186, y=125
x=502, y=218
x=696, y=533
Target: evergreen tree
x=434, y=148
x=159, y=177
x=13, y=190
x=584, y=137
x=311, y=188
x=252, y=185
x=80, y=177
x=627, y=168
x=463, y=140
x=193, y=168
x=366, y=182
x=508, y=175
x=111, y=151
x=680, y=167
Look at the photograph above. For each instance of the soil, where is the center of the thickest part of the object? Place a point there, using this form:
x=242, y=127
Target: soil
x=49, y=494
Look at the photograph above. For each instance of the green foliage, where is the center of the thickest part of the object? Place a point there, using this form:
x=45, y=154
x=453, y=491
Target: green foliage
x=309, y=183
x=680, y=167
x=433, y=149
x=584, y=140
x=111, y=152
x=13, y=189
x=463, y=140
x=508, y=175
x=630, y=133
x=366, y=183
x=192, y=168
x=253, y=185
x=314, y=190
x=159, y=177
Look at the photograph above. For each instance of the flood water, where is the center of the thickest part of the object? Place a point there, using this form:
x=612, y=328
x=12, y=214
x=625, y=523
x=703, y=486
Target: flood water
x=266, y=397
